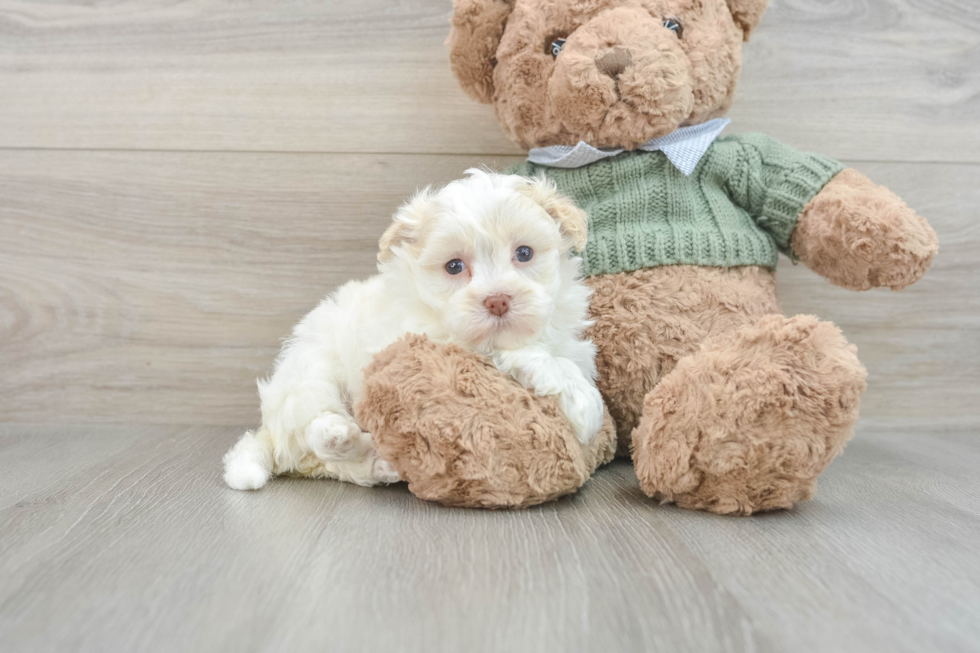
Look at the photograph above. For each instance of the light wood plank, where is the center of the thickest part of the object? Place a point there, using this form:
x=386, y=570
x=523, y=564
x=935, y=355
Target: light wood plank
x=132, y=544
x=154, y=287
x=184, y=270
x=883, y=80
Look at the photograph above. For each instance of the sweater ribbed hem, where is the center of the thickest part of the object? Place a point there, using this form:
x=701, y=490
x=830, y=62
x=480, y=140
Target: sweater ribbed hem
x=626, y=250
x=786, y=201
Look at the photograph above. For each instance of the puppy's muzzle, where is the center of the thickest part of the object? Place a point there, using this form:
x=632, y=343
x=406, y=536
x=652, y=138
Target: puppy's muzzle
x=498, y=304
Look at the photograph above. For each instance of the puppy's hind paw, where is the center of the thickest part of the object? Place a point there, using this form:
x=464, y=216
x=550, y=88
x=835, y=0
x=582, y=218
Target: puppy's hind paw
x=384, y=472
x=333, y=437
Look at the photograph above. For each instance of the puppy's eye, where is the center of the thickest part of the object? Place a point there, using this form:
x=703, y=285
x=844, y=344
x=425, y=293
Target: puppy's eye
x=674, y=26
x=556, y=46
x=455, y=266
x=524, y=254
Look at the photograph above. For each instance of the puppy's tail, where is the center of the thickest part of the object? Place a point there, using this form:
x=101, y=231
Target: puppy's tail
x=248, y=465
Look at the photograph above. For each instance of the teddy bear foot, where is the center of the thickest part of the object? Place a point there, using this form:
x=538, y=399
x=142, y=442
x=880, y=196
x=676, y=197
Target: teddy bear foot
x=747, y=423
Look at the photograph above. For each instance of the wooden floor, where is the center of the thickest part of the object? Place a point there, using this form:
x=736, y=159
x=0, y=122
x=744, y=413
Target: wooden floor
x=124, y=539
x=181, y=181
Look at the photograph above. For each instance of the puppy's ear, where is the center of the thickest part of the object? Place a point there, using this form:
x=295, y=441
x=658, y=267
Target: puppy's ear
x=572, y=221
x=747, y=14
x=408, y=227
x=477, y=26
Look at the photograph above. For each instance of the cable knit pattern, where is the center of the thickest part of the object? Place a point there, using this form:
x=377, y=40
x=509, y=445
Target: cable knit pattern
x=739, y=207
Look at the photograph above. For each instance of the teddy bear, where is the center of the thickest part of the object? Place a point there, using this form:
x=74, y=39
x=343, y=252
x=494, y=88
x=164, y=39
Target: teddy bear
x=723, y=403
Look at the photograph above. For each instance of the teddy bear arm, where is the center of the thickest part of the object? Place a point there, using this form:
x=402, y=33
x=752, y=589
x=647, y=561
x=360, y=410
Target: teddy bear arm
x=860, y=235
x=772, y=182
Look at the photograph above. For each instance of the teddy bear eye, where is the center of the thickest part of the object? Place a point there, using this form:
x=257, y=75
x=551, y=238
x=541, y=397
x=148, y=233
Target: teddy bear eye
x=556, y=46
x=523, y=253
x=674, y=26
x=455, y=266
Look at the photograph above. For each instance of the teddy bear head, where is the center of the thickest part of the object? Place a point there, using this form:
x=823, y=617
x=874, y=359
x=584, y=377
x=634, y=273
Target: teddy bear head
x=612, y=73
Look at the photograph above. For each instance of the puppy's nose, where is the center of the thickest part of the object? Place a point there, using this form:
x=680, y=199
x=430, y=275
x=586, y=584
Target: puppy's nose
x=614, y=62
x=497, y=304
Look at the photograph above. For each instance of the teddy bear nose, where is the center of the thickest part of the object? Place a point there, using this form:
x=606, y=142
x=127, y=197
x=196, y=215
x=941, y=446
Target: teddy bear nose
x=614, y=62
x=497, y=304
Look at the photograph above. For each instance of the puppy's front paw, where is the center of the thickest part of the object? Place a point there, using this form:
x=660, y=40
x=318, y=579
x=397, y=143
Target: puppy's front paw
x=332, y=436
x=533, y=370
x=582, y=405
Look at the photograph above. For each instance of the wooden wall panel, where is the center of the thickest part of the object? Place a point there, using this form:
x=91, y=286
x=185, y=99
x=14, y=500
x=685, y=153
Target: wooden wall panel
x=154, y=287
x=884, y=80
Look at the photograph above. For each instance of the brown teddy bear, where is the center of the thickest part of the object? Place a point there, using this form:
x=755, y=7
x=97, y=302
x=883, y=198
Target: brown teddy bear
x=725, y=404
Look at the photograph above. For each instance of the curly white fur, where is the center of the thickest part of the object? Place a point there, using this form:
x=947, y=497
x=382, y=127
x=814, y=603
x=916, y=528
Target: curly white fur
x=308, y=427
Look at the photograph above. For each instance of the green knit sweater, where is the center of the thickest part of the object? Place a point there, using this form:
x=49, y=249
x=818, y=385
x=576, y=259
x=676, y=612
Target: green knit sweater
x=738, y=207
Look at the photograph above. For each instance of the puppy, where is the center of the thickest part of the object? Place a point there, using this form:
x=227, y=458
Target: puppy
x=483, y=263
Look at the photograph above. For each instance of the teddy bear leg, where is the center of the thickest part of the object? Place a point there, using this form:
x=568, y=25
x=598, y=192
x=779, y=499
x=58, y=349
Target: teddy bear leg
x=749, y=421
x=646, y=321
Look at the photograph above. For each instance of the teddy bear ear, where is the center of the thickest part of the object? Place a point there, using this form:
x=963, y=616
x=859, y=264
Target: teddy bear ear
x=572, y=221
x=477, y=26
x=747, y=14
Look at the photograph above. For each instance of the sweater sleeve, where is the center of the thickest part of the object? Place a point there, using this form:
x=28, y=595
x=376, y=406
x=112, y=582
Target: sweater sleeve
x=774, y=182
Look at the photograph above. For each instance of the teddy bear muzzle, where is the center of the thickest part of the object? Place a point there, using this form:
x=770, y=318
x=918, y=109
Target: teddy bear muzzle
x=622, y=70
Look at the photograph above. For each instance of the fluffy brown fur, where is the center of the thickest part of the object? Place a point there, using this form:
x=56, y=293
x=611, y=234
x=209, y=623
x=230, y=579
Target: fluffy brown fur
x=464, y=434
x=473, y=41
x=648, y=320
x=860, y=236
x=749, y=421
x=747, y=14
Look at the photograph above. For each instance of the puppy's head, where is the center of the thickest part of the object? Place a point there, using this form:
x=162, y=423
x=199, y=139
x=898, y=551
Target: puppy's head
x=488, y=254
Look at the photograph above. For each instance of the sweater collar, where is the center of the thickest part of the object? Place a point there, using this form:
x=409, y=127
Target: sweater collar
x=685, y=148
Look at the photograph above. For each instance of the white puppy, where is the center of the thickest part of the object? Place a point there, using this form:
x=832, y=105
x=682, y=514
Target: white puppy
x=483, y=263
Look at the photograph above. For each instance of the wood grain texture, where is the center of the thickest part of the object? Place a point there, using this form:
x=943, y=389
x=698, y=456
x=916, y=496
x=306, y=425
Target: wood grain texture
x=855, y=79
x=183, y=270
x=155, y=287
x=124, y=539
